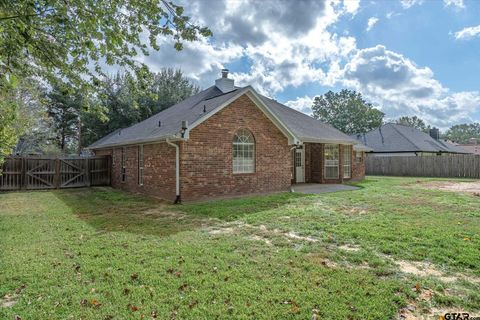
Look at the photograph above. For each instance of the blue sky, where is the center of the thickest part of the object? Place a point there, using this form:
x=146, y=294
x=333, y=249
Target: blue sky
x=407, y=57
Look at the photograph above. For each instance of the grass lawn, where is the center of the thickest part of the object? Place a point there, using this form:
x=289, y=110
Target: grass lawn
x=391, y=248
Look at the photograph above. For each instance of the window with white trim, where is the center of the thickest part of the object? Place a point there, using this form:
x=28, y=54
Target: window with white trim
x=243, y=152
x=347, y=162
x=332, y=156
x=124, y=164
x=140, y=165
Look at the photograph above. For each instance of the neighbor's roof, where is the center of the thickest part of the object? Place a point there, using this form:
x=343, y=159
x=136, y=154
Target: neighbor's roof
x=393, y=137
x=304, y=127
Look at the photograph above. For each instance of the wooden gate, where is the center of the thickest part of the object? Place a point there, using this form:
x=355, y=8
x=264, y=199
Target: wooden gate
x=48, y=173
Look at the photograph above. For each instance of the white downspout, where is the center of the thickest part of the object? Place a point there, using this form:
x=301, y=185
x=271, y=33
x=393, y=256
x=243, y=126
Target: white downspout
x=177, y=170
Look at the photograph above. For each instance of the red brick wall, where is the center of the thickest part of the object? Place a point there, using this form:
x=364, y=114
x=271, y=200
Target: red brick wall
x=159, y=170
x=206, y=158
x=358, y=168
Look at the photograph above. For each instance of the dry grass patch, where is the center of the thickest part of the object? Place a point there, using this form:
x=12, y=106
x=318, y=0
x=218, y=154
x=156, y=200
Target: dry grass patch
x=462, y=187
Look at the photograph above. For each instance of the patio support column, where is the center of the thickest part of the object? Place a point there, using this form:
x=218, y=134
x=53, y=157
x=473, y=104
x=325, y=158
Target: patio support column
x=341, y=154
x=322, y=163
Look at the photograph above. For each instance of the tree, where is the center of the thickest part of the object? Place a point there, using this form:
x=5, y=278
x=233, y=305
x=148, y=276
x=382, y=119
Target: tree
x=66, y=111
x=67, y=42
x=38, y=136
x=127, y=100
x=414, y=122
x=462, y=133
x=15, y=115
x=347, y=111
x=167, y=87
x=61, y=40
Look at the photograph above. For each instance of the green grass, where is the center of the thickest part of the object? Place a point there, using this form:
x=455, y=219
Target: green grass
x=103, y=254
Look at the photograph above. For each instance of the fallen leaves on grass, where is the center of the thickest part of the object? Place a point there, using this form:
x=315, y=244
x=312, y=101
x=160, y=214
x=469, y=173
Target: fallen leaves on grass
x=95, y=303
x=133, y=308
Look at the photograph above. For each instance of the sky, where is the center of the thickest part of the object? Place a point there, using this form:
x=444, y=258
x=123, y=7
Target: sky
x=407, y=57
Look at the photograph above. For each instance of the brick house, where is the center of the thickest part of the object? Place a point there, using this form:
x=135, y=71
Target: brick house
x=227, y=141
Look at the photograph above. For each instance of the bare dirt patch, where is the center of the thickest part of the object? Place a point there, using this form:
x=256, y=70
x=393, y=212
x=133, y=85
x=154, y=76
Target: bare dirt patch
x=423, y=270
x=267, y=241
x=462, y=187
x=7, y=301
x=353, y=210
x=260, y=232
x=350, y=248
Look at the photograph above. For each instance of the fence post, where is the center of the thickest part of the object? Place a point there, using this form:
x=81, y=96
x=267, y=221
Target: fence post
x=57, y=176
x=23, y=174
x=87, y=172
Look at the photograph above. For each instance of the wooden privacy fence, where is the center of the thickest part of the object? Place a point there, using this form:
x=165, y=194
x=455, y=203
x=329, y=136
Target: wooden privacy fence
x=448, y=166
x=49, y=173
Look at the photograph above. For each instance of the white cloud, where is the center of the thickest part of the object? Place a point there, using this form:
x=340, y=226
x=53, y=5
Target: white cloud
x=351, y=6
x=371, y=22
x=459, y=4
x=400, y=87
x=468, y=33
x=406, y=4
x=302, y=104
x=289, y=44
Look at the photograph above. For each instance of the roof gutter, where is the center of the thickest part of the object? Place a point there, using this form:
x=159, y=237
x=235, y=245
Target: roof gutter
x=313, y=140
x=177, y=170
x=139, y=141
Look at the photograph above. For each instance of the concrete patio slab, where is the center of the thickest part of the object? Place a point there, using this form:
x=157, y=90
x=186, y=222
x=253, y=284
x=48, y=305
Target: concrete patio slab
x=316, y=188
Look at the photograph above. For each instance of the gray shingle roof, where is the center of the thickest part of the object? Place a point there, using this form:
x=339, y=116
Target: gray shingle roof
x=191, y=109
x=393, y=137
x=306, y=128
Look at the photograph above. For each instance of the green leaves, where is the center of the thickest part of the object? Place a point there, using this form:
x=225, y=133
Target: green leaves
x=62, y=41
x=347, y=111
x=464, y=132
x=414, y=122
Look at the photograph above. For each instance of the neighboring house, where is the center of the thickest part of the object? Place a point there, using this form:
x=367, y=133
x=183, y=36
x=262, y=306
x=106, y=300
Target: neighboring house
x=398, y=140
x=226, y=141
x=472, y=146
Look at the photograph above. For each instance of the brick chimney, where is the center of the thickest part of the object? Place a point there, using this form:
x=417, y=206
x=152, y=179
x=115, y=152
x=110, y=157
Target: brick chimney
x=224, y=83
x=435, y=133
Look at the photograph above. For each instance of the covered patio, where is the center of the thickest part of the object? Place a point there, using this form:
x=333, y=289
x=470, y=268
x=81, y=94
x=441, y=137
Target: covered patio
x=322, y=163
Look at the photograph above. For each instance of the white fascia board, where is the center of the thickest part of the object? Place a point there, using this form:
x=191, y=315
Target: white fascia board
x=138, y=141
x=292, y=139
x=329, y=141
x=250, y=92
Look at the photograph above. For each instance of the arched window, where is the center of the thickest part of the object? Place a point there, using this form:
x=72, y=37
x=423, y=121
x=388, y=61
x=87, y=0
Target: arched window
x=243, y=152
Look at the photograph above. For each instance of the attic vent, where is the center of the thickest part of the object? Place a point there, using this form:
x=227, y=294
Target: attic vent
x=204, y=108
x=159, y=123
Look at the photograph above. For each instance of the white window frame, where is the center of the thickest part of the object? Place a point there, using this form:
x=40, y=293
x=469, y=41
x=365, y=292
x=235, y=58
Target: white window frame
x=141, y=165
x=123, y=170
x=329, y=151
x=243, y=146
x=347, y=161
